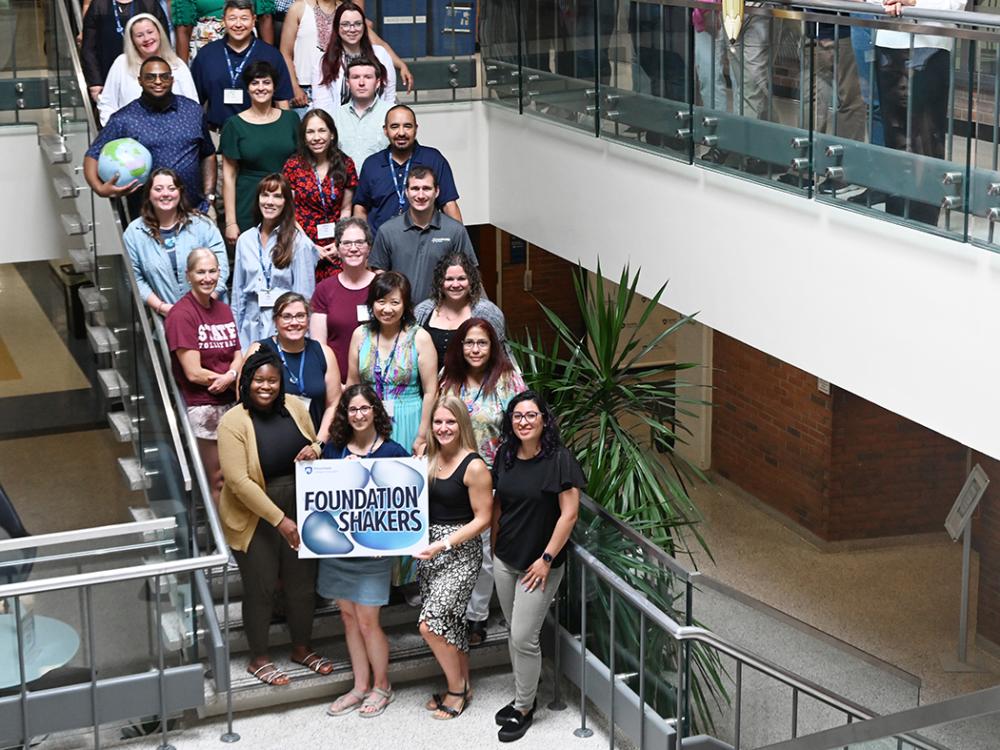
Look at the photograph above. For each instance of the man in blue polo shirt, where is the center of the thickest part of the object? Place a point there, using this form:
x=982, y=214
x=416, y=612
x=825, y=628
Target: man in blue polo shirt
x=171, y=127
x=381, y=192
x=218, y=68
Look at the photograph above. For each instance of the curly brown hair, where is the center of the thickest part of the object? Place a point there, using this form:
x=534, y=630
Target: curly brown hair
x=456, y=258
x=341, y=431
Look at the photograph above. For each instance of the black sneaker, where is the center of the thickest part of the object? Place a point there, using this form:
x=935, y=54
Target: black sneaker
x=515, y=727
x=508, y=712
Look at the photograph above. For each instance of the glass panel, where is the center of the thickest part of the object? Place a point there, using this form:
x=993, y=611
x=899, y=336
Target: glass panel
x=984, y=186
x=502, y=27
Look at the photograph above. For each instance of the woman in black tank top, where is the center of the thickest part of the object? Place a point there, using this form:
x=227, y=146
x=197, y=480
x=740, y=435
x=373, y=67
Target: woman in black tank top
x=461, y=506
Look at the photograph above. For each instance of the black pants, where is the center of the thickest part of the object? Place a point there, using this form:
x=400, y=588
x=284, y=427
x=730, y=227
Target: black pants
x=928, y=98
x=267, y=559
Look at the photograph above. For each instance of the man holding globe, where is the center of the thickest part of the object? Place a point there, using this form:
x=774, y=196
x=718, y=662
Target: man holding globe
x=171, y=127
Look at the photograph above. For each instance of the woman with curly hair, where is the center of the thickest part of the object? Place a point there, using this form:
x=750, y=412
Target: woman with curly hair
x=460, y=506
x=360, y=585
x=457, y=296
x=258, y=447
x=538, y=483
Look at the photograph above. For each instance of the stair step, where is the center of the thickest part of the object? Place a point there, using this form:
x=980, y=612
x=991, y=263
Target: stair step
x=101, y=338
x=55, y=149
x=409, y=660
x=82, y=259
x=92, y=300
x=134, y=473
x=74, y=224
x=113, y=385
x=65, y=187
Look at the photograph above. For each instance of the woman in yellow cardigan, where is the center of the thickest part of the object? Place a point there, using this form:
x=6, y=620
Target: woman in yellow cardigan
x=258, y=447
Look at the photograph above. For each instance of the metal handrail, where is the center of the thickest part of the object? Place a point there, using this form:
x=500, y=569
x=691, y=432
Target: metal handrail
x=685, y=633
x=86, y=535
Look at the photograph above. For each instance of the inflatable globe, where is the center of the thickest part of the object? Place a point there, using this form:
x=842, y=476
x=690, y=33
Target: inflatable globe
x=126, y=157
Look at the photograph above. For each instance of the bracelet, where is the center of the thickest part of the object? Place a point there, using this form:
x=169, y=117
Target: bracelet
x=447, y=544
x=233, y=373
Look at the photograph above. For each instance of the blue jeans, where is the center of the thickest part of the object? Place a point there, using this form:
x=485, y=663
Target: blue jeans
x=863, y=42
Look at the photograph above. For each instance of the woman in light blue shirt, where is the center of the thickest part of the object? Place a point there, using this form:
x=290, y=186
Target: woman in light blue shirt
x=272, y=258
x=163, y=236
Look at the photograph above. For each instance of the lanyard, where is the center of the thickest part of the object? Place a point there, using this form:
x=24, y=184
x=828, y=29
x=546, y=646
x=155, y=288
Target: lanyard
x=377, y=369
x=234, y=75
x=319, y=187
x=300, y=381
x=119, y=26
x=400, y=190
x=463, y=393
x=266, y=269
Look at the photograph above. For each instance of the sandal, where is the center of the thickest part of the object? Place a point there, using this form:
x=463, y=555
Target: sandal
x=318, y=664
x=269, y=674
x=346, y=708
x=436, y=698
x=378, y=701
x=449, y=712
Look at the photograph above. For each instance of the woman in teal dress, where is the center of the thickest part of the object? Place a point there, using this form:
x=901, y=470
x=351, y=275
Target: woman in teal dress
x=396, y=357
x=254, y=144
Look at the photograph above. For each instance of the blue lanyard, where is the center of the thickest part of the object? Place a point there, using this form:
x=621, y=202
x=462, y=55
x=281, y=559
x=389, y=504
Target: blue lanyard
x=319, y=187
x=463, y=393
x=266, y=269
x=300, y=381
x=400, y=190
x=377, y=369
x=234, y=75
x=119, y=26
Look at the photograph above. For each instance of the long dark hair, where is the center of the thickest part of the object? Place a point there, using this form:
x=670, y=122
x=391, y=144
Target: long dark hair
x=341, y=430
x=456, y=369
x=184, y=211
x=510, y=442
x=456, y=258
x=286, y=227
x=254, y=362
x=381, y=286
x=335, y=50
x=338, y=169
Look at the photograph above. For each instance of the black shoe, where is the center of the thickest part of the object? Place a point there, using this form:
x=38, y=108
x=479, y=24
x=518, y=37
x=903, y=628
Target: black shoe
x=477, y=632
x=868, y=197
x=514, y=728
x=715, y=155
x=508, y=712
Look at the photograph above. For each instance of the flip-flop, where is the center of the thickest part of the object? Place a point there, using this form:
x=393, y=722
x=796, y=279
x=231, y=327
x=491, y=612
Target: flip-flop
x=269, y=674
x=379, y=700
x=331, y=711
x=316, y=663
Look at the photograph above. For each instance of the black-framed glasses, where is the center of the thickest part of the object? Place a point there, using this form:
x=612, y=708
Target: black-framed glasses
x=476, y=343
x=525, y=416
x=290, y=317
x=356, y=410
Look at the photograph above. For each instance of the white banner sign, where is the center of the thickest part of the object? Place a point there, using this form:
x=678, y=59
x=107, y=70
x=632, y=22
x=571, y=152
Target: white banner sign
x=362, y=508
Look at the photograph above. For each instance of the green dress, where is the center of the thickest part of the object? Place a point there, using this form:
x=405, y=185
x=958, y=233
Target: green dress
x=260, y=150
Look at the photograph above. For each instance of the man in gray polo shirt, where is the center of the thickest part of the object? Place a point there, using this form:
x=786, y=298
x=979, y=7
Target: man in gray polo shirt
x=413, y=242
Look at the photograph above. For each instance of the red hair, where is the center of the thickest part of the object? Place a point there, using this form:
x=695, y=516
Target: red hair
x=456, y=369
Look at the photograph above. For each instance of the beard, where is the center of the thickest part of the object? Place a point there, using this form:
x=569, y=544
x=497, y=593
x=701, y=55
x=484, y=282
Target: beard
x=157, y=103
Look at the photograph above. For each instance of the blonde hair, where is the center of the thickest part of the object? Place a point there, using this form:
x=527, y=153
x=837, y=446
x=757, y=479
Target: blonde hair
x=164, y=50
x=466, y=437
x=197, y=254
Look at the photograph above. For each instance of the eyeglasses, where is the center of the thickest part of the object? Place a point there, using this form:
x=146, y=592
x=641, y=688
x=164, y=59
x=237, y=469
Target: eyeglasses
x=296, y=317
x=525, y=416
x=475, y=344
x=359, y=244
x=352, y=24
x=356, y=410
x=168, y=76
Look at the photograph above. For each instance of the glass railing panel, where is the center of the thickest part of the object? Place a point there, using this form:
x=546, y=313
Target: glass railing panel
x=984, y=113
x=29, y=65
x=646, y=101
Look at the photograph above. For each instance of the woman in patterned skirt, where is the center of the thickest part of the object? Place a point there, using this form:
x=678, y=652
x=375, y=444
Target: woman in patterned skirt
x=461, y=506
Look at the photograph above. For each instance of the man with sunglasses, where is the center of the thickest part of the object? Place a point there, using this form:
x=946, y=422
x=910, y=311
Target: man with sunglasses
x=171, y=127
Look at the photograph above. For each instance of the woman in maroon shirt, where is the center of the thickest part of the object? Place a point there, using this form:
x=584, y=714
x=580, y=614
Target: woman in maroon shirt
x=323, y=179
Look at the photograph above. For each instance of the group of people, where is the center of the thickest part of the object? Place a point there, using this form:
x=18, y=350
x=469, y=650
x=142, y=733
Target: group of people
x=295, y=332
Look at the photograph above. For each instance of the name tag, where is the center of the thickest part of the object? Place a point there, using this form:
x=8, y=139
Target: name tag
x=306, y=401
x=267, y=297
x=362, y=313
x=326, y=230
x=390, y=407
x=232, y=96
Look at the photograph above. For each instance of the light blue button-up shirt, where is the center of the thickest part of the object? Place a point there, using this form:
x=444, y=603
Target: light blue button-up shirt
x=360, y=132
x=250, y=277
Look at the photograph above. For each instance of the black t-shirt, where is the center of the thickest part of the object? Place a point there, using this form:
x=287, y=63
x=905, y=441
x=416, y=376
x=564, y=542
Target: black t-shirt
x=448, y=497
x=279, y=441
x=528, y=493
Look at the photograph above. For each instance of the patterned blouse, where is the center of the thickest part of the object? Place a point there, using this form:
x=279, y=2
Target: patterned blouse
x=486, y=412
x=313, y=207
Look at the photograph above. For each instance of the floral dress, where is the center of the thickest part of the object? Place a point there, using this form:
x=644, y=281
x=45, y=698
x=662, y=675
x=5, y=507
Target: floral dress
x=315, y=206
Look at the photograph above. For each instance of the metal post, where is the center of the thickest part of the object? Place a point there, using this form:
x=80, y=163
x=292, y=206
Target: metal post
x=158, y=607
x=642, y=680
x=25, y=735
x=88, y=624
x=680, y=692
x=229, y=736
x=795, y=712
x=739, y=705
x=582, y=730
x=963, y=614
x=557, y=703
x=611, y=669
x=996, y=110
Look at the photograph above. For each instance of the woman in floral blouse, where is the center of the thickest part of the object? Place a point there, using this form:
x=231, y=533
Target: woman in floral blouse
x=323, y=179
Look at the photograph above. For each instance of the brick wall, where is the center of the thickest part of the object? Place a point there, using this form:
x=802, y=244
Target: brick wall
x=986, y=537
x=771, y=431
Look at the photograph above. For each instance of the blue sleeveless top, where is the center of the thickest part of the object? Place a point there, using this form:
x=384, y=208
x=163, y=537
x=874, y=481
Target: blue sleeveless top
x=312, y=383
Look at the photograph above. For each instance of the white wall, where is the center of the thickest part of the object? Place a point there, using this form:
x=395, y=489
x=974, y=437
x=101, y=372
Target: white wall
x=905, y=319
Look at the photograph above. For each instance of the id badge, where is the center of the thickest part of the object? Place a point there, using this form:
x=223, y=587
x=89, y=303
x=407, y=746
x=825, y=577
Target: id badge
x=390, y=407
x=267, y=297
x=326, y=230
x=232, y=96
x=306, y=401
x=362, y=313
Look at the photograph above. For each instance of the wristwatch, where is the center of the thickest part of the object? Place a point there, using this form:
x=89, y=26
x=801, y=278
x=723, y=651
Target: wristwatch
x=447, y=544
x=211, y=198
x=546, y=558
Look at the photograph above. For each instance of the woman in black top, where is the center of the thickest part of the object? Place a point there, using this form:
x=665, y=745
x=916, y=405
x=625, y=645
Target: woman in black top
x=460, y=507
x=538, y=483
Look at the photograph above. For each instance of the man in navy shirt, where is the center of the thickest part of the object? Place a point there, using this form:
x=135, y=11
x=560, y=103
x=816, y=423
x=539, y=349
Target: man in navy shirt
x=381, y=192
x=171, y=127
x=218, y=68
